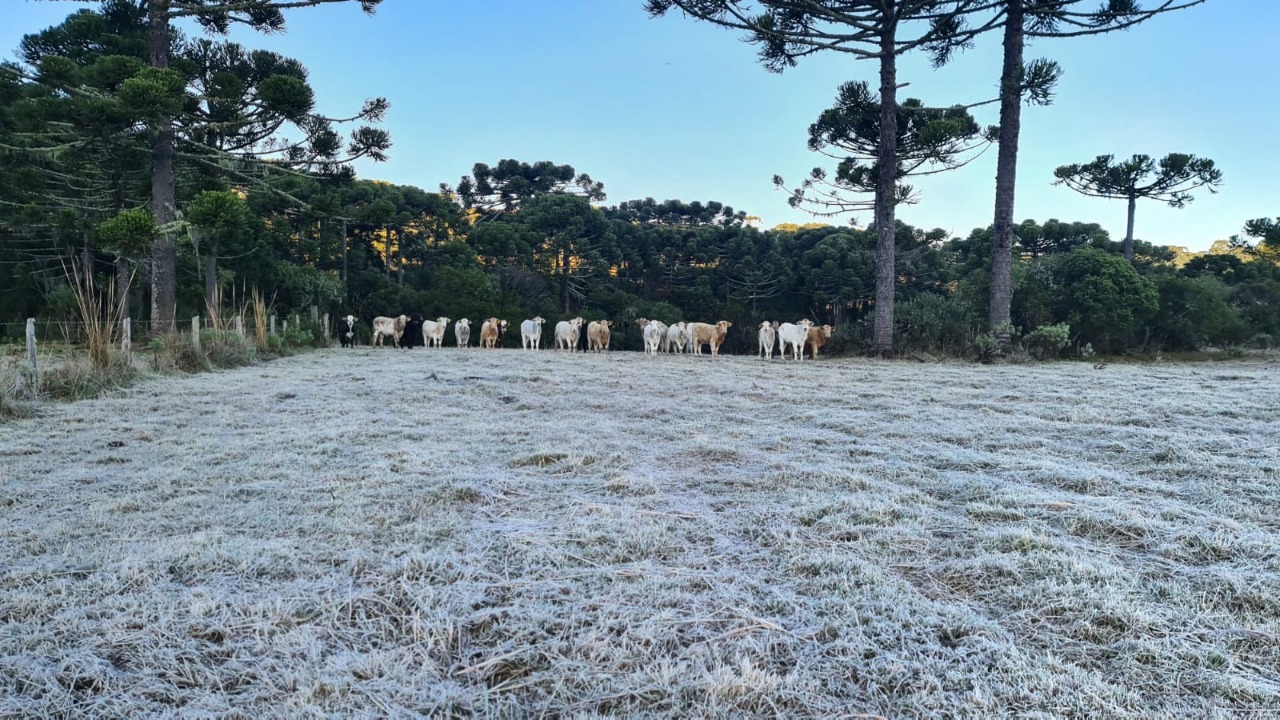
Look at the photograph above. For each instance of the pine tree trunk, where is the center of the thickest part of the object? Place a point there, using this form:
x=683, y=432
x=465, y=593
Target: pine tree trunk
x=122, y=285
x=344, y=260
x=86, y=257
x=1128, y=232
x=1007, y=168
x=886, y=276
x=210, y=264
x=164, y=285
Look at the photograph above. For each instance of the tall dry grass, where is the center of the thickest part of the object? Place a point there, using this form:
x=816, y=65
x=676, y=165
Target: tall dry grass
x=213, y=311
x=101, y=315
x=259, y=320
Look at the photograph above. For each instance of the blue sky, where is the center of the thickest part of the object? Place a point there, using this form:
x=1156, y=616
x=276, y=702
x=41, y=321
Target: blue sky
x=673, y=108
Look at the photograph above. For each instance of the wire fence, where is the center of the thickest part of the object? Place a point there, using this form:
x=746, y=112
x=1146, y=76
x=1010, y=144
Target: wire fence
x=35, y=332
x=72, y=332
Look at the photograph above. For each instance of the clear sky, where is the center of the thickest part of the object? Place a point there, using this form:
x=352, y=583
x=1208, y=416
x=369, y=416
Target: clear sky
x=673, y=108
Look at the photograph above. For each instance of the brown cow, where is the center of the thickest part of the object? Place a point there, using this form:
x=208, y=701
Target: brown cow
x=598, y=335
x=817, y=338
x=491, y=332
x=703, y=334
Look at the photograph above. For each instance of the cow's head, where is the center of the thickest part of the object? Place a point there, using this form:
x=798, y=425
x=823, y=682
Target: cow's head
x=642, y=321
x=537, y=320
x=606, y=323
x=465, y=323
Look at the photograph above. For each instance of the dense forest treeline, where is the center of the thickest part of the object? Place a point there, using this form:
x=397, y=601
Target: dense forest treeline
x=78, y=111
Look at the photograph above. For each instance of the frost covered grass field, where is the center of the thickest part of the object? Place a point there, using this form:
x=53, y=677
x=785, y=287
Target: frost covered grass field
x=460, y=532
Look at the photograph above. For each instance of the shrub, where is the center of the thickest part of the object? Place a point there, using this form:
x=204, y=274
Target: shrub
x=1195, y=312
x=226, y=349
x=987, y=346
x=931, y=322
x=1104, y=300
x=1047, y=341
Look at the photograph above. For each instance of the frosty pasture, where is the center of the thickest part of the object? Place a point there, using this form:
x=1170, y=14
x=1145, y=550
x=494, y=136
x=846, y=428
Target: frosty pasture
x=456, y=532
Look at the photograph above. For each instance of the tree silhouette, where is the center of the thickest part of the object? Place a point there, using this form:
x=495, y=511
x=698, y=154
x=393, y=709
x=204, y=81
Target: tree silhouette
x=1169, y=180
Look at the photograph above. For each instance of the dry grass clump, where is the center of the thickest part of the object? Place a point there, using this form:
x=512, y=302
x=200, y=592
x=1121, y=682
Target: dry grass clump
x=177, y=352
x=227, y=349
x=462, y=533
x=78, y=378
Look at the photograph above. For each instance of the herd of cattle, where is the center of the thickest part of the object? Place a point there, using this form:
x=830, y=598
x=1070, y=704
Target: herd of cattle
x=405, y=331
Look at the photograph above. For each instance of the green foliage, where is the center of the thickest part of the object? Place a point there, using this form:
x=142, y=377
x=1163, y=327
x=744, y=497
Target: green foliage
x=1047, y=341
x=932, y=323
x=128, y=233
x=153, y=93
x=511, y=183
x=928, y=140
x=1196, y=312
x=301, y=286
x=1266, y=230
x=1100, y=295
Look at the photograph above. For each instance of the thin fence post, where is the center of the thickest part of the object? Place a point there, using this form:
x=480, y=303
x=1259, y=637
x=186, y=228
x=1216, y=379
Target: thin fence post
x=195, y=332
x=315, y=313
x=284, y=326
x=31, y=348
x=126, y=336
x=273, y=324
x=326, y=327
x=240, y=325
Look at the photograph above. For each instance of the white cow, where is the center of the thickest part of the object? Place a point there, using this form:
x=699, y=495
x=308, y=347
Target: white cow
x=795, y=336
x=531, y=333
x=567, y=333
x=433, y=331
x=677, y=338
x=389, y=327
x=768, y=333
x=652, y=333
x=462, y=332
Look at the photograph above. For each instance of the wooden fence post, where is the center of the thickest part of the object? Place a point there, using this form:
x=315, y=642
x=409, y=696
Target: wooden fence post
x=326, y=327
x=240, y=325
x=195, y=332
x=315, y=314
x=31, y=350
x=284, y=326
x=126, y=336
x=273, y=324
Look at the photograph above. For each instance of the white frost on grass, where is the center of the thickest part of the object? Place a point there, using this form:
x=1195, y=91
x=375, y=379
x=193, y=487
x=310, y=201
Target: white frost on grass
x=510, y=534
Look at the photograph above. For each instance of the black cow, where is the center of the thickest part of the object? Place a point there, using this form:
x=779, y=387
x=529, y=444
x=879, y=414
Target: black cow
x=347, y=331
x=412, y=336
